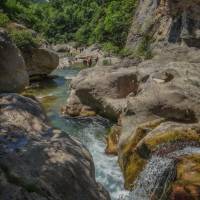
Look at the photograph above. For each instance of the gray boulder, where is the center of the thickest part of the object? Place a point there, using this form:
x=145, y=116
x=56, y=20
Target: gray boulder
x=13, y=74
x=40, y=62
x=38, y=161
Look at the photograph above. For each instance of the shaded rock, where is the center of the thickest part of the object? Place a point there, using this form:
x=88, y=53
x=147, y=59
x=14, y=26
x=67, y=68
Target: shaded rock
x=40, y=62
x=38, y=161
x=13, y=74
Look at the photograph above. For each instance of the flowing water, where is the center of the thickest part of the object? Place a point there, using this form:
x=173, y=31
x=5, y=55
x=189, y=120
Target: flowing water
x=91, y=131
x=157, y=175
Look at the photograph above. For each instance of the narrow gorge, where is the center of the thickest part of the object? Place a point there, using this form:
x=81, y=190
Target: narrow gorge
x=84, y=120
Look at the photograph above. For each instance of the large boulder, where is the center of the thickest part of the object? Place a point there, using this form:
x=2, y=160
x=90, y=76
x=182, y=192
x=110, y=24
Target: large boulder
x=166, y=86
x=38, y=161
x=103, y=89
x=40, y=62
x=13, y=74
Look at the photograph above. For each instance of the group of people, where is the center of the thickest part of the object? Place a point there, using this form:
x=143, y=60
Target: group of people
x=80, y=49
x=88, y=61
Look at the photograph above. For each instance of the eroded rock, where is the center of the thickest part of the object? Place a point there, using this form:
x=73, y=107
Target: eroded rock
x=166, y=21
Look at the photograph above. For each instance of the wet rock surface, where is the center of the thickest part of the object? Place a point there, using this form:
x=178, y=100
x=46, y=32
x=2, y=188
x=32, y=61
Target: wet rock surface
x=38, y=161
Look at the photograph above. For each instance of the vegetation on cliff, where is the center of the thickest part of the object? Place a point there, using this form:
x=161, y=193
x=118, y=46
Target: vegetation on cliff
x=88, y=21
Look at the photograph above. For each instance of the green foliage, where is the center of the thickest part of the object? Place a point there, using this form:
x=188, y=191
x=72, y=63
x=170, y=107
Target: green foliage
x=24, y=39
x=4, y=20
x=85, y=21
x=126, y=52
x=110, y=47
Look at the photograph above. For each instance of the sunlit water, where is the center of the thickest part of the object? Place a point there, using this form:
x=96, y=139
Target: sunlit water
x=91, y=132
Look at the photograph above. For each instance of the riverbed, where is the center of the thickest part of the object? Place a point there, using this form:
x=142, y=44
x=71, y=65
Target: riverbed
x=53, y=94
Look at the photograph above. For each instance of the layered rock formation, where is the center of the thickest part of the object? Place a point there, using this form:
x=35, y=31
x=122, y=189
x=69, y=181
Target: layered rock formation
x=13, y=74
x=166, y=21
x=38, y=161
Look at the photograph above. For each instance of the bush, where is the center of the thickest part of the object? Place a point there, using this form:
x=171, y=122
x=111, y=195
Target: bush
x=24, y=39
x=126, y=52
x=4, y=20
x=110, y=48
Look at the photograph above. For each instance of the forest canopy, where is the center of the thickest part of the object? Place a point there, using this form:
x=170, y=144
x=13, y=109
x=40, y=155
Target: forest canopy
x=85, y=21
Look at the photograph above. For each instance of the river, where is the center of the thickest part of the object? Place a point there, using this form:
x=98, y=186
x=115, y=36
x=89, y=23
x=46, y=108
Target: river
x=91, y=132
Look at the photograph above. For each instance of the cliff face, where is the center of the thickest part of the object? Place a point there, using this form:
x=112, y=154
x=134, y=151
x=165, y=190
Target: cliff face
x=166, y=21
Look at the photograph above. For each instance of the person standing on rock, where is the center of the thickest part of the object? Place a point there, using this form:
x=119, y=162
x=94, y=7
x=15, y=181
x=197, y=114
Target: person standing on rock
x=97, y=59
x=89, y=61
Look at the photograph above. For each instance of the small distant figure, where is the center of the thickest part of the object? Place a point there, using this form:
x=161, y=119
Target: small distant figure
x=97, y=59
x=85, y=62
x=89, y=61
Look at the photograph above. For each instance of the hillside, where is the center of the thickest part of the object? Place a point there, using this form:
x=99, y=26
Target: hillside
x=87, y=22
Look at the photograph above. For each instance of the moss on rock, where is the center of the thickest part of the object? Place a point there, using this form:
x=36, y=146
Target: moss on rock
x=112, y=140
x=187, y=183
x=149, y=138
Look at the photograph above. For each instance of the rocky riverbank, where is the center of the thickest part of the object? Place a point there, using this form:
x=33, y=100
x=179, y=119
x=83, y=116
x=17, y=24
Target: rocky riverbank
x=83, y=57
x=37, y=160
x=155, y=103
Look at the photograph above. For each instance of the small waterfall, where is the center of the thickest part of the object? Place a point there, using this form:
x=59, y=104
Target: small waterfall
x=157, y=175
x=107, y=170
